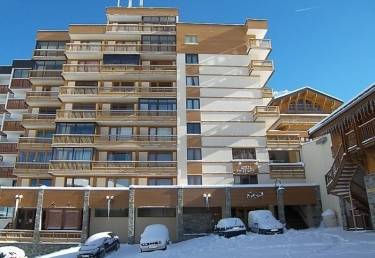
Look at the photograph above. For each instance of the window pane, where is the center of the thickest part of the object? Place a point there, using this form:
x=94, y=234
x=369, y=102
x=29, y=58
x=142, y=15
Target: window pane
x=244, y=153
x=191, y=59
x=122, y=183
x=194, y=154
x=193, y=128
x=160, y=181
x=195, y=180
x=156, y=212
x=192, y=80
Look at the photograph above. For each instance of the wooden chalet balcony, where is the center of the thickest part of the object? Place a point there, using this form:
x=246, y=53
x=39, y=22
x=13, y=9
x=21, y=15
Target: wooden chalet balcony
x=49, y=53
x=6, y=170
x=140, y=28
x=260, y=66
x=283, y=140
x=287, y=171
x=48, y=236
x=34, y=143
x=38, y=120
x=8, y=147
x=362, y=137
x=37, y=168
x=156, y=168
x=103, y=93
x=13, y=126
x=16, y=104
x=4, y=89
x=265, y=111
x=20, y=84
x=42, y=98
x=136, y=48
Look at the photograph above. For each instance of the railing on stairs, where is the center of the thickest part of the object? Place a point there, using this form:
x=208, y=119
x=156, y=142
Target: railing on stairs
x=336, y=169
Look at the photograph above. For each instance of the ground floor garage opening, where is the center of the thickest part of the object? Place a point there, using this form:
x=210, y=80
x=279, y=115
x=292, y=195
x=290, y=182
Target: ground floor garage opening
x=200, y=220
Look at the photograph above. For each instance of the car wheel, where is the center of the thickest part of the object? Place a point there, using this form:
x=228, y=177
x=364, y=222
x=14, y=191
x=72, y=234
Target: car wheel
x=102, y=253
x=117, y=247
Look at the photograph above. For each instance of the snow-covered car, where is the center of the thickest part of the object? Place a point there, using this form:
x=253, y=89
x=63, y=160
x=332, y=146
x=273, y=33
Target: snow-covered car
x=230, y=227
x=98, y=245
x=154, y=237
x=11, y=252
x=263, y=222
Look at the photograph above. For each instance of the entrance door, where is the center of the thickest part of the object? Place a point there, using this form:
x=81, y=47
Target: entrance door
x=26, y=219
x=63, y=219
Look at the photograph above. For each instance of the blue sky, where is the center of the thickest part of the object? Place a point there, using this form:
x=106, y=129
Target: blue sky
x=327, y=44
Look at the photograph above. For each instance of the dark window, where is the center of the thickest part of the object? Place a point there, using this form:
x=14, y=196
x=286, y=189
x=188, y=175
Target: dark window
x=48, y=65
x=284, y=156
x=120, y=156
x=160, y=181
x=40, y=182
x=122, y=106
x=50, y=45
x=84, y=106
x=45, y=133
x=121, y=59
x=246, y=180
x=193, y=128
x=160, y=156
x=192, y=80
x=77, y=182
x=72, y=153
x=194, y=180
x=156, y=39
x=159, y=19
x=191, y=59
x=75, y=128
x=193, y=104
x=157, y=104
x=242, y=153
x=156, y=212
x=194, y=154
x=47, y=110
x=86, y=83
x=118, y=182
x=21, y=73
x=114, y=213
x=34, y=156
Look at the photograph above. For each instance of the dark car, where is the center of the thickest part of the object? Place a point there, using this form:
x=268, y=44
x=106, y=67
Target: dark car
x=98, y=245
x=230, y=227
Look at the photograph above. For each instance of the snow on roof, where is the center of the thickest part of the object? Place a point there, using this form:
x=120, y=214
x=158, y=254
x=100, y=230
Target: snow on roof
x=286, y=93
x=97, y=237
x=363, y=94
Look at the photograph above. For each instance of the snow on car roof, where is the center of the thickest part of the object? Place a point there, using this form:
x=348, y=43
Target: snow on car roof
x=158, y=231
x=229, y=222
x=97, y=237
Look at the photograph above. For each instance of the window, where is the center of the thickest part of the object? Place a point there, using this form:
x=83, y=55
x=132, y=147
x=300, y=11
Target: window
x=87, y=83
x=40, y=182
x=158, y=40
x=156, y=212
x=192, y=80
x=75, y=128
x=160, y=156
x=242, y=153
x=21, y=73
x=122, y=106
x=84, y=106
x=193, y=104
x=191, y=39
x=47, y=111
x=191, y=59
x=160, y=133
x=129, y=59
x=118, y=182
x=284, y=156
x=194, y=180
x=50, y=45
x=119, y=156
x=157, y=104
x=120, y=133
x=113, y=213
x=72, y=153
x=45, y=134
x=246, y=180
x=193, y=128
x=35, y=156
x=159, y=19
x=77, y=182
x=48, y=65
x=194, y=154
x=160, y=181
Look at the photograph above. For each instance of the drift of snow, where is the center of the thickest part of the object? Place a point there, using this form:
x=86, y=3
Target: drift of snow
x=155, y=233
x=311, y=243
x=264, y=219
x=229, y=223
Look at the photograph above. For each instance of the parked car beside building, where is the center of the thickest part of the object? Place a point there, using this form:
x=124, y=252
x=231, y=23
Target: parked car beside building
x=230, y=227
x=263, y=222
x=154, y=237
x=12, y=252
x=98, y=245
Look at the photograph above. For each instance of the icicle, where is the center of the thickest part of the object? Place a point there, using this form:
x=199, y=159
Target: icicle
x=109, y=200
x=18, y=200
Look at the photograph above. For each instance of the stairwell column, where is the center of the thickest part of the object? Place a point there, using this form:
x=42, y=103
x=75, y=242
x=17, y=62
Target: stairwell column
x=280, y=204
x=227, y=209
x=38, y=216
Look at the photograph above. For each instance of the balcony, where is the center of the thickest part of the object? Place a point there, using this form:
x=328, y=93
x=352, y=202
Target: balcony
x=16, y=104
x=3, y=89
x=287, y=171
x=114, y=168
x=13, y=126
x=38, y=121
x=117, y=142
x=36, y=168
x=141, y=29
x=265, y=111
x=46, y=77
x=363, y=137
x=20, y=84
x=8, y=147
x=6, y=170
x=96, y=51
x=49, y=54
x=42, y=99
x=267, y=93
x=283, y=140
x=119, y=72
x=259, y=49
x=34, y=143
x=245, y=167
x=262, y=69
x=2, y=108
x=118, y=117
x=114, y=94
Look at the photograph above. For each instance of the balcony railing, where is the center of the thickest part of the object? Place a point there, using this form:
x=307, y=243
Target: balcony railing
x=287, y=171
x=31, y=165
x=46, y=96
x=260, y=43
x=16, y=104
x=96, y=68
x=14, y=126
x=6, y=170
x=45, y=74
x=140, y=48
x=2, y=108
x=140, y=28
x=266, y=110
x=267, y=93
x=261, y=65
x=34, y=140
x=116, y=90
x=3, y=89
x=49, y=52
x=38, y=117
x=283, y=139
x=8, y=147
x=20, y=84
x=366, y=135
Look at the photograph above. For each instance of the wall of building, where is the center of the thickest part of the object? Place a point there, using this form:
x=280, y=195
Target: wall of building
x=317, y=157
x=117, y=225
x=142, y=223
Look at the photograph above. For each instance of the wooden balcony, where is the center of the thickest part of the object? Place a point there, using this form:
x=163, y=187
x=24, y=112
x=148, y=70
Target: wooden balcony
x=42, y=99
x=141, y=29
x=118, y=168
x=13, y=126
x=283, y=140
x=362, y=137
x=34, y=143
x=287, y=171
x=20, y=84
x=4, y=89
x=16, y=104
x=36, y=168
x=260, y=65
x=48, y=236
x=2, y=108
x=35, y=121
x=8, y=147
x=6, y=170
x=265, y=111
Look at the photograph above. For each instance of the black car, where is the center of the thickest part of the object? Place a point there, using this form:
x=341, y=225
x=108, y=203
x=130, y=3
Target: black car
x=98, y=245
x=230, y=227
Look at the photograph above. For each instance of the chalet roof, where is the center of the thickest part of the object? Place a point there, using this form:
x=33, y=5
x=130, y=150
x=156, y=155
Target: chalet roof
x=362, y=95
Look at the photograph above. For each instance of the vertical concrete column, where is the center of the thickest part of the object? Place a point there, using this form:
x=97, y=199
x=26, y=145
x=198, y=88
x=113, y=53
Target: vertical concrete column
x=343, y=213
x=85, y=216
x=180, y=214
x=370, y=189
x=38, y=216
x=131, y=217
x=317, y=209
x=227, y=209
x=280, y=204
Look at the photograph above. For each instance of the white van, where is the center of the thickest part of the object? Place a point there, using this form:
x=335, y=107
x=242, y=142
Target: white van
x=263, y=222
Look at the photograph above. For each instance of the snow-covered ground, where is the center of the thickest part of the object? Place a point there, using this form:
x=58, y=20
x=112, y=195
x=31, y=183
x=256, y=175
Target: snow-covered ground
x=297, y=244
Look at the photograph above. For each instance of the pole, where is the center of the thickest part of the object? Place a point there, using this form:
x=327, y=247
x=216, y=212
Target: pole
x=118, y=3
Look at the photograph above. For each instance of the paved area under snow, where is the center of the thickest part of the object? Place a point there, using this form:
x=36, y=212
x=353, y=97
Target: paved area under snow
x=297, y=244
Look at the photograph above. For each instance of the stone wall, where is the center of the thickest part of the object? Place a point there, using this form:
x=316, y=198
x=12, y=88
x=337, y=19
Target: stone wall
x=34, y=250
x=370, y=188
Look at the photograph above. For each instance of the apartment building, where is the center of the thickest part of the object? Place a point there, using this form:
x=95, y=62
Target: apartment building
x=146, y=119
